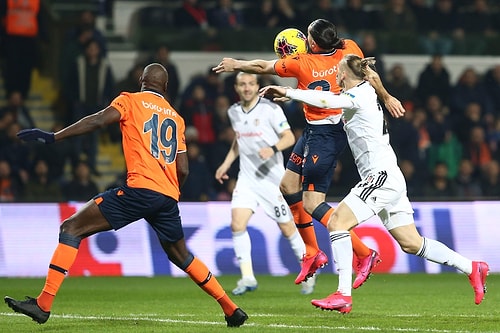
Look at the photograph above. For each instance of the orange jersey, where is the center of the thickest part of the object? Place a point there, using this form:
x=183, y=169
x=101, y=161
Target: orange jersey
x=316, y=71
x=152, y=135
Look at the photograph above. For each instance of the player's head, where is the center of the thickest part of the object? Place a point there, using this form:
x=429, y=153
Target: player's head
x=352, y=67
x=154, y=77
x=246, y=86
x=322, y=36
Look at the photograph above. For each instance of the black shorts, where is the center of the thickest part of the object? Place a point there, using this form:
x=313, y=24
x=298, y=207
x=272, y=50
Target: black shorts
x=124, y=205
x=315, y=155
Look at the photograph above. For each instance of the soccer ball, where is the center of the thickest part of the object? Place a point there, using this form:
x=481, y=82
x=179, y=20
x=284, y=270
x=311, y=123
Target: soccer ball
x=289, y=42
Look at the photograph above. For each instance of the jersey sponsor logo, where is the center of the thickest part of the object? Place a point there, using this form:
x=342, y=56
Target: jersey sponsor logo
x=152, y=106
x=248, y=134
x=325, y=72
x=315, y=158
x=295, y=159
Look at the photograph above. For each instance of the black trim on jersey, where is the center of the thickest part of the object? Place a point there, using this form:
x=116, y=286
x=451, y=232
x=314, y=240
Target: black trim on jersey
x=154, y=91
x=382, y=177
x=247, y=112
x=359, y=84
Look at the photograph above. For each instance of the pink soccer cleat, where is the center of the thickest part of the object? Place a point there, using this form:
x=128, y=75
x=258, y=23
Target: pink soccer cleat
x=364, y=269
x=311, y=265
x=335, y=301
x=477, y=280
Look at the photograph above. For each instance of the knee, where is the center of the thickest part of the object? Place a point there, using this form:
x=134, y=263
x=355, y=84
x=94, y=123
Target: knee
x=67, y=227
x=410, y=248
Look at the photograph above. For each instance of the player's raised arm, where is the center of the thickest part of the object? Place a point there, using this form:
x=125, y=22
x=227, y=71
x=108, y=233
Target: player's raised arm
x=392, y=104
x=85, y=125
x=257, y=66
x=317, y=98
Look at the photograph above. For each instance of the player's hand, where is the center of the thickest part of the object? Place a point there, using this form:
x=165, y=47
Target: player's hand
x=36, y=134
x=221, y=174
x=275, y=91
x=266, y=153
x=394, y=107
x=226, y=65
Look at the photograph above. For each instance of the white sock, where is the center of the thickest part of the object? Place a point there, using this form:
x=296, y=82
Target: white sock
x=342, y=257
x=243, y=251
x=297, y=245
x=437, y=252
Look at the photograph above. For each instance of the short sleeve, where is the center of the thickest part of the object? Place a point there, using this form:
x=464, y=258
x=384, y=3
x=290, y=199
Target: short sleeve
x=122, y=104
x=288, y=66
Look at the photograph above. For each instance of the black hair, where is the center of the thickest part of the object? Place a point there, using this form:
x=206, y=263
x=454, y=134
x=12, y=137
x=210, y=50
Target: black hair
x=325, y=35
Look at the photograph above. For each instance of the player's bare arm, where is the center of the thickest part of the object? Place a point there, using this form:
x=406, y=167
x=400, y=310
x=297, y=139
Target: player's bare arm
x=182, y=165
x=256, y=66
x=392, y=104
x=287, y=139
x=89, y=123
x=232, y=154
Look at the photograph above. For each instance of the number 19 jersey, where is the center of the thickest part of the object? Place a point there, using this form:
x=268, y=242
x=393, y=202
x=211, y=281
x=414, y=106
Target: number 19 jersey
x=152, y=136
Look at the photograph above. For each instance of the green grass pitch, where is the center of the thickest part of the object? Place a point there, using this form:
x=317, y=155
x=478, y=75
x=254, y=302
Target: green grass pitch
x=433, y=303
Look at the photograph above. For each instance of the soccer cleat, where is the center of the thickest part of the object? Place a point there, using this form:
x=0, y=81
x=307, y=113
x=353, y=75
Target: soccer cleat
x=28, y=307
x=237, y=318
x=335, y=301
x=308, y=286
x=244, y=285
x=477, y=280
x=311, y=265
x=364, y=269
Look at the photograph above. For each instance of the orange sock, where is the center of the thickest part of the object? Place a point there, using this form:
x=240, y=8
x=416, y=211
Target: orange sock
x=202, y=276
x=305, y=226
x=359, y=248
x=61, y=261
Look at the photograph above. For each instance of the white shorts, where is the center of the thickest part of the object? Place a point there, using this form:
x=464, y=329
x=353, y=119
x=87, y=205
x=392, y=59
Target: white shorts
x=251, y=194
x=382, y=194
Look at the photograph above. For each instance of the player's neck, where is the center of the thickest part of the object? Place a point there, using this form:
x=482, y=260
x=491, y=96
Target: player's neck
x=348, y=84
x=247, y=106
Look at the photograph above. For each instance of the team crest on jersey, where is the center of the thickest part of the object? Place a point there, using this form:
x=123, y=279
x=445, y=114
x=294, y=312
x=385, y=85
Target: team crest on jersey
x=256, y=122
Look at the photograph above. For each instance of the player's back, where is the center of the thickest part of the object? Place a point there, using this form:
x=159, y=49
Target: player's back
x=152, y=135
x=317, y=71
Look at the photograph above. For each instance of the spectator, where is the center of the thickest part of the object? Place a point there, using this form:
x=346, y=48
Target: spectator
x=40, y=187
x=413, y=182
x=20, y=112
x=10, y=187
x=57, y=156
x=225, y=16
x=463, y=123
x=81, y=187
x=355, y=19
x=75, y=40
x=199, y=112
x=162, y=56
x=434, y=80
x=191, y=14
x=490, y=180
x=467, y=185
x=265, y=15
x=469, y=89
x=399, y=85
x=90, y=88
x=477, y=149
x=325, y=9
x=492, y=85
x=399, y=20
x=210, y=82
x=478, y=22
x=24, y=26
x=288, y=15
x=443, y=33
x=199, y=184
x=17, y=153
x=221, y=119
x=130, y=82
x=439, y=186
x=369, y=46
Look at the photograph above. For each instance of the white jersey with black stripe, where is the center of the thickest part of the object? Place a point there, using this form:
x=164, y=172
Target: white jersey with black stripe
x=255, y=129
x=363, y=122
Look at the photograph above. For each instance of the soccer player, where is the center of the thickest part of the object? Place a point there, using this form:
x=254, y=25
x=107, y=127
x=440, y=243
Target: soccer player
x=382, y=189
x=310, y=167
x=157, y=165
x=262, y=132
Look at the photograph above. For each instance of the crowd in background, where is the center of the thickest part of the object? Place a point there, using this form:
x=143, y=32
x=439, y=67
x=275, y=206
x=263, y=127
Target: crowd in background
x=448, y=143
